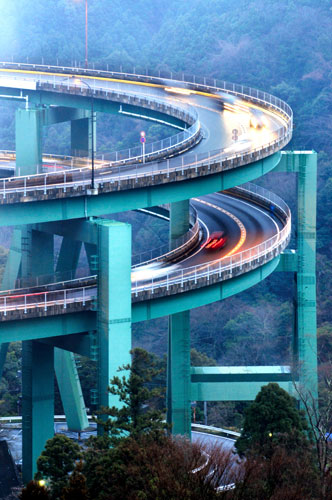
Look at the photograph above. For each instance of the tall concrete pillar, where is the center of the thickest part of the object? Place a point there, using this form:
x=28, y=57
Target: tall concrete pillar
x=81, y=135
x=179, y=220
x=178, y=374
x=29, y=123
x=114, y=305
x=8, y=281
x=178, y=362
x=306, y=331
x=37, y=402
x=37, y=254
x=70, y=390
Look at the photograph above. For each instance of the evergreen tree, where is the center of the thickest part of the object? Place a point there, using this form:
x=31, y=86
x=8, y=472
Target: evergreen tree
x=138, y=397
x=57, y=461
x=272, y=419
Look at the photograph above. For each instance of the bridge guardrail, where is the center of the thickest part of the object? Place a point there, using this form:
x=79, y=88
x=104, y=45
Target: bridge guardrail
x=173, y=281
x=50, y=186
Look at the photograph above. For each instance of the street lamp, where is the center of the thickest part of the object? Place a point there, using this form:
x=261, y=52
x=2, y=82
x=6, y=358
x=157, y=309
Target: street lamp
x=86, y=30
x=86, y=33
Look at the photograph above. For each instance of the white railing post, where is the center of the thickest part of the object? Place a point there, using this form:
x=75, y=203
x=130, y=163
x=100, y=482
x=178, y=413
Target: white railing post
x=83, y=296
x=45, y=301
x=25, y=304
x=65, y=299
x=5, y=306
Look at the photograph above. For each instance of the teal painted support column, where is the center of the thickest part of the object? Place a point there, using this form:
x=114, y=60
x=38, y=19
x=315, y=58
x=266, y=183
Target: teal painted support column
x=3, y=355
x=81, y=135
x=64, y=361
x=70, y=390
x=304, y=163
x=179, y=220
x=37, y=253
x=37, y=402
x=8, y=281
x=91, y=253
x=178, y=359
x=114, y=304
x=29, y=141
x=306, y=334
x=179, y=331
x=13, y=261
x=68, y=257
x=178, y=374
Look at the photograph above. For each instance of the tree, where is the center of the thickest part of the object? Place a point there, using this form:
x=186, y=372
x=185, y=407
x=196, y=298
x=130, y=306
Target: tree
x=57, y=461
x=272, y=419
x=149, y=468
x=138, y=414
x=34, y=491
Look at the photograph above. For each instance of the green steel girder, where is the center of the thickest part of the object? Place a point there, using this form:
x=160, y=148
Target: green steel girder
x=59, y=114
x=51, y=326
x=173, y=304
x=205, y=374
x=121, y=201
x=70, y=390
x=79, y=343
x=47, y=98
x=81, y=230
x=82, y=322
x=232, y=391
x=288, y=261
x=68, y=256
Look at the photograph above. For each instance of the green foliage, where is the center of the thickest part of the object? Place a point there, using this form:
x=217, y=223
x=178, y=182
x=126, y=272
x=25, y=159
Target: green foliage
x=33, y=491
x=10, y=383
x=137, y=413
x=272, y=419
x=146, y=468
x=57, y=461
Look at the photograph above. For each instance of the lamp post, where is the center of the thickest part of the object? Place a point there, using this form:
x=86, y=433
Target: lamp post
x=86, y=33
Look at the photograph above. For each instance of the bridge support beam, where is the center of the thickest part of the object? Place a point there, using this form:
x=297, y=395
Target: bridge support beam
x=179, y=220
x=82, y=135
x=178, y=374
x=178, y=360
x=37, y=402
x=304, y=164
x=37, y=254
x=114, y=305
x=70, y=390
x=29, y=141
x=68, y=258
x=8, y=281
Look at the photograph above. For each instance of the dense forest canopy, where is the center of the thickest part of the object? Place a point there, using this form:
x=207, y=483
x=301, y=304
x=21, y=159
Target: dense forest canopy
x=281, y=46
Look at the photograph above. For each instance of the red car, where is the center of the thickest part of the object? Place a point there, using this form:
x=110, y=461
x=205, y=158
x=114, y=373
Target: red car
x=215, y=241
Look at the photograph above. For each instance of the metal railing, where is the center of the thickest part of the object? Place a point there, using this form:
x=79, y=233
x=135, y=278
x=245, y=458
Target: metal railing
x=281, y=136
x=226, y=267
x=46, y=299
x=163, y=252
x=171, y=281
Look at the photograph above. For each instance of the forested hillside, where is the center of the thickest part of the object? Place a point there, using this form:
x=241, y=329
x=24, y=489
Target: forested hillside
x=281, y=46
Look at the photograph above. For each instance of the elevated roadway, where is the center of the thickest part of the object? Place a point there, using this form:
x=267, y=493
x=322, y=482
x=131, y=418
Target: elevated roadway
x=225, y=135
